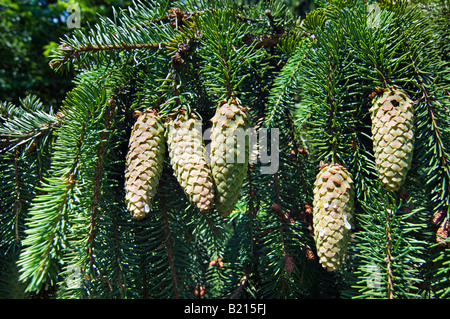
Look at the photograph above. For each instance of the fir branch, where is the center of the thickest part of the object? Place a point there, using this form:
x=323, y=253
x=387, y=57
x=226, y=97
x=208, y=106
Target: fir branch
x=243, y=281
x=114, y=39
x=25, y=124
x=284, y=86
x=169, y=250
x=118, y=258
x=59, y=198
x=71, y=53
x=99, y=171
x=43, y=242
x=18, y=188
x=18, y=197
x=325, y=90
x=96, y=165
x=429, y=102
x=387, y=251
x=225, y=55
x=160, y=32
x=389, y=258
x=438, y=149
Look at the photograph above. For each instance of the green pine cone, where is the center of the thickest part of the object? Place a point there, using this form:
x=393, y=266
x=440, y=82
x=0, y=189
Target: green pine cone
x=186, y=152
x=229, y=161
x=333, y=207
x=393, y=137
x=144, y=163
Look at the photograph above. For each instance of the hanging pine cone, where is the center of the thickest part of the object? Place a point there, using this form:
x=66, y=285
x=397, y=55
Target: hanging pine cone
x=186, y=152
x=332, y=214
x=393, y=137
x=144, y=163
x=227, y=168
x=289, y=264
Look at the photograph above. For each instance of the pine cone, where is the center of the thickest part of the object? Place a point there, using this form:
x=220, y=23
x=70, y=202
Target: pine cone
x=309, y=253
x=393, y=137
x=437, y=218
x=186, y=152
x=289, y=264
x=332, y=214
x=442, y=233
x=228, y=162
x=144, y=163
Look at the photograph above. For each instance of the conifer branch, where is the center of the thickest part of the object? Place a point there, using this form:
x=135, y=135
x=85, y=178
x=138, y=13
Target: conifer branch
x=169, y=250
x=46, y=237
x=71, y=53
x=98, y=175
x=389, y=258
x=55, y=207
x=109, y=36
x=25, y=124
x=429, y=99
x=241, y=285
x=118, y=251
x=279, y=210
x=18, y=197
x=284, y=86
x=252, y=209
x=153, y=56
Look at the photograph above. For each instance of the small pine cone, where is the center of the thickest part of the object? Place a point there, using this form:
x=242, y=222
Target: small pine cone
x=392, y=117
x=309, y=253
x=438, y=217
x=229, y=162
x=288, y=263
x=199, y=291
x=144, y=163
x=187, y=157
x=442, y=233
x=332, y=214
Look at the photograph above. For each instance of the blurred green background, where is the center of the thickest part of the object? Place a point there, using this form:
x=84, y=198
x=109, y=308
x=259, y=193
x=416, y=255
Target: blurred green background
x=29, y=29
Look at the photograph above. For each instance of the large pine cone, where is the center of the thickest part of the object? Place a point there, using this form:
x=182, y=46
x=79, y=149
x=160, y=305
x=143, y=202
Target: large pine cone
x=229, y=161
x=186, y=152
x=393, y=137
x=333, y=207
x=144, y=163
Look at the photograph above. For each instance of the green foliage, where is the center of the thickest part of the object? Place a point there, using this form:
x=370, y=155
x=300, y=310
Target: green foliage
x=65, y=231
x=29, y=31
